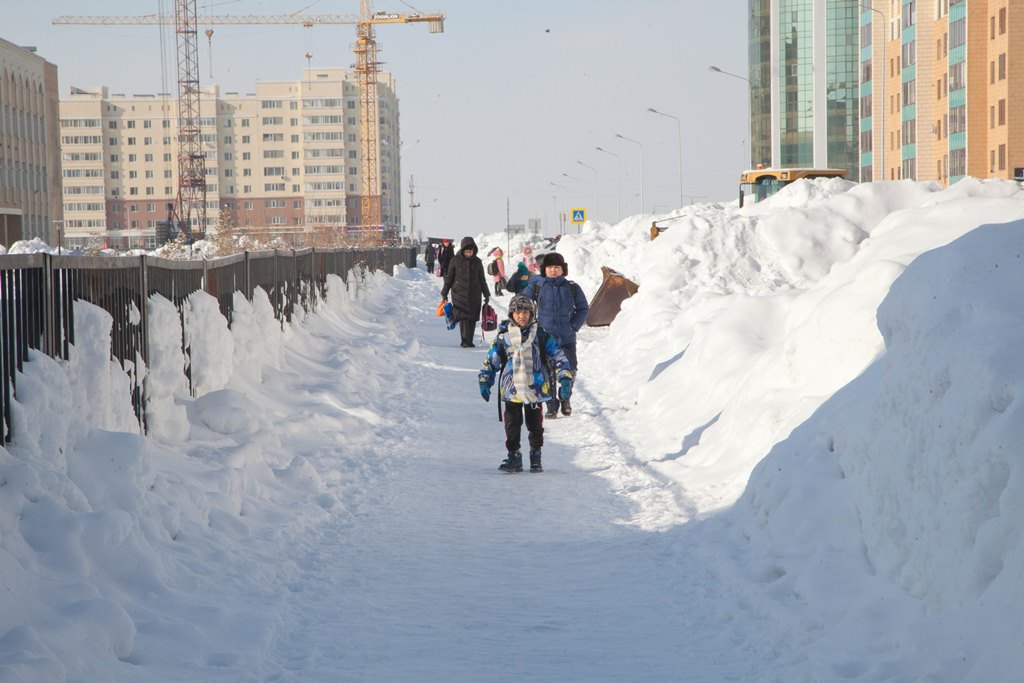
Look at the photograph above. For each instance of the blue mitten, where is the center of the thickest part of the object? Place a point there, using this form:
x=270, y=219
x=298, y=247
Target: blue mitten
x=564, y=389
x=485, y=391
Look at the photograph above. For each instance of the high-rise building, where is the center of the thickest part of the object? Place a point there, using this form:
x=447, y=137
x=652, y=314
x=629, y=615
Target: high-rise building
x=30, y=202
x=937, y=91
x=285, y=158
x=803, y=64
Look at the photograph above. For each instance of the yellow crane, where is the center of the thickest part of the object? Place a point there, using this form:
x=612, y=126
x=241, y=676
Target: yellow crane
x=367, y=68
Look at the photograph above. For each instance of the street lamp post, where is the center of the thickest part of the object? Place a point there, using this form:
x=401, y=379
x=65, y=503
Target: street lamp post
x=885, y=73
x=640, y=145
x=750, y=123
x=679, y=131
x=554, y=207
x=596, y=211
x=618, y=174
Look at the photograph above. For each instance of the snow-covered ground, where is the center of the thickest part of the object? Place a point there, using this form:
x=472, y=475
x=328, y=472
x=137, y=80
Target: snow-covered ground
x=794, y=457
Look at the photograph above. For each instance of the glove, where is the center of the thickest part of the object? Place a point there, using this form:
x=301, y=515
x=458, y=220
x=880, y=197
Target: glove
x=485, y=391
x=564, y=389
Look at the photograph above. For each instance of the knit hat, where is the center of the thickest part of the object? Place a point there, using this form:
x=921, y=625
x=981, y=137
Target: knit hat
x=521, y=303
x=522, y=269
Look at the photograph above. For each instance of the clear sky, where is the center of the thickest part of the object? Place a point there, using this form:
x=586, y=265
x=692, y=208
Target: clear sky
x=499, y=107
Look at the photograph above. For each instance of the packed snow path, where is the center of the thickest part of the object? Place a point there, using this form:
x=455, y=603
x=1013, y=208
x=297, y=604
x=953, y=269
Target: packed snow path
x=439, y=567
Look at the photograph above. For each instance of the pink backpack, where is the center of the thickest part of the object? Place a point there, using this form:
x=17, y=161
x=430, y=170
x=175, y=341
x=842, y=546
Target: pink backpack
x=488, y=319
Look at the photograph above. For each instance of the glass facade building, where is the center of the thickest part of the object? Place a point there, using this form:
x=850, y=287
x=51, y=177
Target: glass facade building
x=760, y=60
x=804, y=62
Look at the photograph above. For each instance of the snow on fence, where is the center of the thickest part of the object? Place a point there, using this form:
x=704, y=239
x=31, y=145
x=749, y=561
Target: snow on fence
x=38, y=291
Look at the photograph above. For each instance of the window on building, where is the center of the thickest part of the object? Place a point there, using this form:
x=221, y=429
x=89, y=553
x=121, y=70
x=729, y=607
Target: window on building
x=1002, y=20
x=957, y=33
x=992, y=117
x=957, y=121
x=1002, y=67
x=1002, y=112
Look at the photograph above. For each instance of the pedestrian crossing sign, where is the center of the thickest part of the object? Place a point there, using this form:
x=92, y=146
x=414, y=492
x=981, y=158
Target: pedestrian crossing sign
x=579, y=216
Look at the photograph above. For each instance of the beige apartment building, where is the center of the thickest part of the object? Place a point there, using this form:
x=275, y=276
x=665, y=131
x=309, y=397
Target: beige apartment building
x=30, y=202
x=283, y=159
x=942, y=89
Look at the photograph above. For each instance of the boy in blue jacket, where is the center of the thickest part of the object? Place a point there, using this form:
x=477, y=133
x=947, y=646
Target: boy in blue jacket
x=562, y=309
x=526, y=357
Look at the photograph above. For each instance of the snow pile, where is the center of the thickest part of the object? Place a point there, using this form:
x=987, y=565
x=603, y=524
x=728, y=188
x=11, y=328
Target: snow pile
x=905, y=488
x=814, y=401
x=111, y=542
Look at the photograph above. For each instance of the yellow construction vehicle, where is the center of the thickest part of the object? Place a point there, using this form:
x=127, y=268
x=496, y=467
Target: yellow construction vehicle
x=761, y=183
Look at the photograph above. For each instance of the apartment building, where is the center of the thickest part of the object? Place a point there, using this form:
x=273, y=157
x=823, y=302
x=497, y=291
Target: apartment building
x=30, y=202
x=940, y=94
x=284, y=158
x=803, y=81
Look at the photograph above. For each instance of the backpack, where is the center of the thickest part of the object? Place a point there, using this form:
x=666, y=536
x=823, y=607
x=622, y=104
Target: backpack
x=488, y=319
x=573, y=287
x=492, y=269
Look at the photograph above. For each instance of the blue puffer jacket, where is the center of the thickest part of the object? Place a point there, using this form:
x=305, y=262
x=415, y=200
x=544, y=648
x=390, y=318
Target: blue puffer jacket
x=562, y=306
x=545, y=362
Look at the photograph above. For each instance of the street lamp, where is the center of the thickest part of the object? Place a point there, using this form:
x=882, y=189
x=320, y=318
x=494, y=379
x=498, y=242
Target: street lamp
x=596, y=212
x=638, y=143
x=679, y=131
x=618, y=174
x=750, y=123
x=60, y=235
x=885, y=73
x=554, y=207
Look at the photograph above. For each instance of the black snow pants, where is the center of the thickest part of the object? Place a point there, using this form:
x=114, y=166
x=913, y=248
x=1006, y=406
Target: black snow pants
x=514, y=414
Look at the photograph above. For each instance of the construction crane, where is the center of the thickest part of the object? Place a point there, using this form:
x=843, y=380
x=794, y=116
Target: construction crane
x=192, y=178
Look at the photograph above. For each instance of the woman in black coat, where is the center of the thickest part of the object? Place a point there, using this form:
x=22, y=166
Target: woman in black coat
x=467, y=284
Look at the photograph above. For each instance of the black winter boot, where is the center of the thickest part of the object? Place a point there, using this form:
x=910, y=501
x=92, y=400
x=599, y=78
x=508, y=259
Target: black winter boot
x=512, y=463
x=552, y=409
x=566, y=408
x=535, y=465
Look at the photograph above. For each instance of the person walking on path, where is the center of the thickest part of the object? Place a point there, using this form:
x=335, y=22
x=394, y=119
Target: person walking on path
x=465, y=280
x=562, y=309
x=496, y=268
x=428, y=256
x=528, y=362
x=445, y=256
x=527, y=258
x=519, y=279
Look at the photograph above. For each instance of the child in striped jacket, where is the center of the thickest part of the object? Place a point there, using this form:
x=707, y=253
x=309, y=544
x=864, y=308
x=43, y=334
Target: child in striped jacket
x=529, y=363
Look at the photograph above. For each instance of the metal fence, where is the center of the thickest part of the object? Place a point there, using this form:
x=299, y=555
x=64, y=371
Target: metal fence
x=38, y=291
